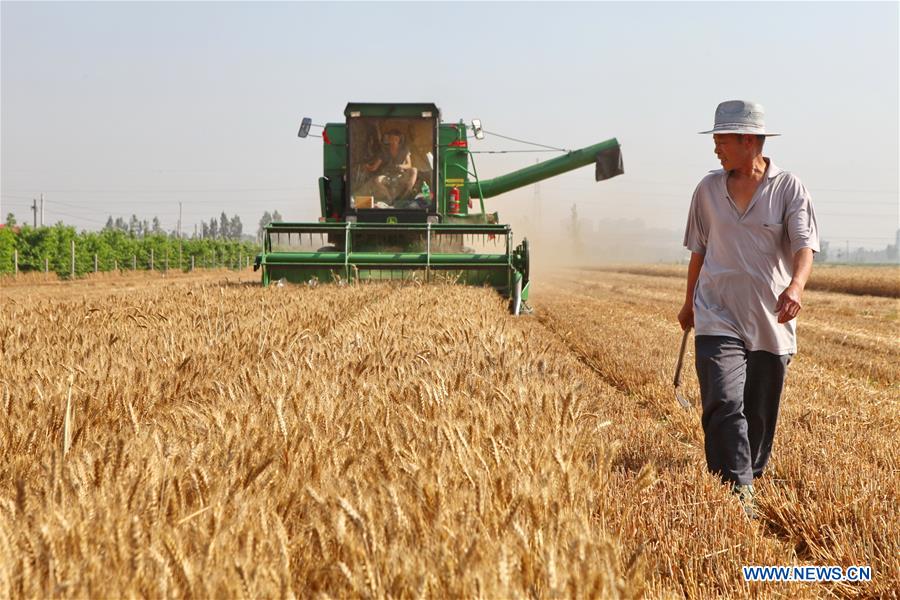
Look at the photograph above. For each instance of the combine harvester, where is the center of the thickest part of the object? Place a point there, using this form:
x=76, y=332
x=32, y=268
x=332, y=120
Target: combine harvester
x=397, y=200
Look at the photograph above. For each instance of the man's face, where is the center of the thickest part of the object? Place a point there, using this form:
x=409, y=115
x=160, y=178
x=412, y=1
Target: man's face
x=733, y=149
x=393, y=141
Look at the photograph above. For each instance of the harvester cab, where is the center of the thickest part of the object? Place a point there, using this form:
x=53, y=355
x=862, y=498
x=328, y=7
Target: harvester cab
x=400, y=198
x=390, y=164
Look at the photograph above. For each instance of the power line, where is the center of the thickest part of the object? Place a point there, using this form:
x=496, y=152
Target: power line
x=106, y=204
x=79, y=207
x=855, y=202
x=854, y=191
x=693, y=184
x=172, y=191
x=56, y=212
x=687, y=196
x=507, y=151
x=862, y=216
x=173, y=204
x=512, y=139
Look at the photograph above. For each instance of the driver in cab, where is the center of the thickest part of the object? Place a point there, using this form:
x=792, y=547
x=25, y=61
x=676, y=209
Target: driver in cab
x=394, y=174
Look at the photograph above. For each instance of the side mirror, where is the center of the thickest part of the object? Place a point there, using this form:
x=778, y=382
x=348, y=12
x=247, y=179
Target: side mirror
x=304, y=127
x=476, y=126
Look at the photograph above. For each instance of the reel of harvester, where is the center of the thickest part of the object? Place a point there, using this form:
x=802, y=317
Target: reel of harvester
x=397, y=202
x=411, y=251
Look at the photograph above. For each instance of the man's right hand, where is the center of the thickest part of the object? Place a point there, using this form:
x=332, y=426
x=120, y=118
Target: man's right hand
x=686, y=316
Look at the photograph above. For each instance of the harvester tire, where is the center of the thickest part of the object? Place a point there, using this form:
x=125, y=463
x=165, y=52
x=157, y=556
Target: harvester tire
x=526, y=267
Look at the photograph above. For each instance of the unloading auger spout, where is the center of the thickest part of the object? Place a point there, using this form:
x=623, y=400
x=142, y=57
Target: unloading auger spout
x=606, y=156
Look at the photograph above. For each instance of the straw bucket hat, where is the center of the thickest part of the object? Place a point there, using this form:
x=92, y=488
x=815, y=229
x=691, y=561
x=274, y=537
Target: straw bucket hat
x=740, y=116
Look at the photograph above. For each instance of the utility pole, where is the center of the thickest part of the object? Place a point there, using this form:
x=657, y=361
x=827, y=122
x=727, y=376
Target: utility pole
x=42, y=209
x=179, y=220
x=34, y=209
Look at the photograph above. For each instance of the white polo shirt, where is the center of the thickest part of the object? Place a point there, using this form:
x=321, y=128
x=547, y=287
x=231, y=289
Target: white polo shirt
x=748, y=258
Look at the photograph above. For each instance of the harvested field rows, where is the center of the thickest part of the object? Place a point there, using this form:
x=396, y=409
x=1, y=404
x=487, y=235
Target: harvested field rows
x=831, y=491
x=874, y=280
x=210, y=437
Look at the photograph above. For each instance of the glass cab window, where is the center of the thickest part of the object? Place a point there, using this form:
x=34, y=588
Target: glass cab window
x=391, y=163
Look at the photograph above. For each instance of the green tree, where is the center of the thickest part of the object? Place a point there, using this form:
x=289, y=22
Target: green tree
x=236, y=228
x=224, y=226
x=265, y=220
x=37, y=245
x=7, y=248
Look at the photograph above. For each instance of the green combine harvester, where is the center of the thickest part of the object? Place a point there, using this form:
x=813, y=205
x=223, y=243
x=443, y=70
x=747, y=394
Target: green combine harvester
x=397, y=201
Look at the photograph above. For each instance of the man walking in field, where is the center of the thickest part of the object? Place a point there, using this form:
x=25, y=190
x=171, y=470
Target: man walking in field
x=752, y=232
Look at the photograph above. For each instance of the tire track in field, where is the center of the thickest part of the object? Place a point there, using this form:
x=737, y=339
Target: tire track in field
x=641, y=394
x=580, y=354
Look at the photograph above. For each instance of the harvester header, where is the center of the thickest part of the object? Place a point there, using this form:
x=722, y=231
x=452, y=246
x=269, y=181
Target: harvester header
x=400, y=193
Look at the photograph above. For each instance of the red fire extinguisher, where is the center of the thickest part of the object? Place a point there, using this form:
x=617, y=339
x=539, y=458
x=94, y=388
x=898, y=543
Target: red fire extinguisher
x=454, y=201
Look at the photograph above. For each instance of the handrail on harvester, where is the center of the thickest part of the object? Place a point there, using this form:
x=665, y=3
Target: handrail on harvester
x=335, y=226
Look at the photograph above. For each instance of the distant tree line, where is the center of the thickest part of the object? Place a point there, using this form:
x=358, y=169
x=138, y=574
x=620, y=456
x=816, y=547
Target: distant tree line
x=222, y=228
x=114, y=247
x=124, y=243
x=266, y=219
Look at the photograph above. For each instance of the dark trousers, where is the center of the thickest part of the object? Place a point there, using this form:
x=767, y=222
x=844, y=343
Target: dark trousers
x=740, y=392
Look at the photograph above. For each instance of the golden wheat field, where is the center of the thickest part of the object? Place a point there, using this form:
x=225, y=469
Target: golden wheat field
x=203, y=436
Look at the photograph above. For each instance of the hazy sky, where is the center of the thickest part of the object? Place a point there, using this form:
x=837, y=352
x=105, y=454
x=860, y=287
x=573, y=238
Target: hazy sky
x=121, y=108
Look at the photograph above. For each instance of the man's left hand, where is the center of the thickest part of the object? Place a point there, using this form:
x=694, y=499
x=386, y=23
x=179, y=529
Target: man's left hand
x=788, y=305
